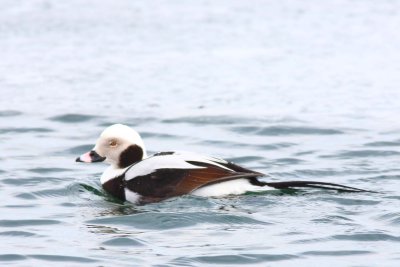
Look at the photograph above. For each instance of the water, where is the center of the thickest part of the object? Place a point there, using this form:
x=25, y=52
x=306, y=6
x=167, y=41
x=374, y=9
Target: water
x=297, y=89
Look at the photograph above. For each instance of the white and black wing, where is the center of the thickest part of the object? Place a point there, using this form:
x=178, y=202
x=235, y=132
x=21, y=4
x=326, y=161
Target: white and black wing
x=169, y=174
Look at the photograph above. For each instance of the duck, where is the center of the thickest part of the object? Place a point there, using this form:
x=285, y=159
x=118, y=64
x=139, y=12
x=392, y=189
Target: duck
x=135, y=177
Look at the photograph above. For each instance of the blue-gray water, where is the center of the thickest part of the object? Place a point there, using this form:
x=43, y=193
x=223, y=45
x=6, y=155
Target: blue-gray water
x=302, y=90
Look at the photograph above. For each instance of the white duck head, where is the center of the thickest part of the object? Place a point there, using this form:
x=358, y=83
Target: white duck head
x=119, y=145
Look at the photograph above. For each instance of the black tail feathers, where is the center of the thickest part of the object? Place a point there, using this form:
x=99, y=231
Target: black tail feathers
x=311, y=184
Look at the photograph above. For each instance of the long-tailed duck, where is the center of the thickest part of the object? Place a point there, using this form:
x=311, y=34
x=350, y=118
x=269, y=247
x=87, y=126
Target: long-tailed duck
x=137, y=178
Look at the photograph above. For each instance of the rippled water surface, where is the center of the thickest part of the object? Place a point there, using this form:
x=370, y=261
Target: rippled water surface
x=301, y=90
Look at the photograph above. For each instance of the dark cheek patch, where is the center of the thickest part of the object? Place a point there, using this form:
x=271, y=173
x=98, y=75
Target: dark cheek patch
x=130, y=155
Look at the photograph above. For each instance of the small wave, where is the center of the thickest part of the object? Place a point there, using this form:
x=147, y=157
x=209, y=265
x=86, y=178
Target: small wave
x=31, y=181
x=17, y=234
x=367, y=237
x=160, y=135
x=383, y=143
x=288, y=161
x=20, y=223
x=310, y=240
x=47, y=170
x=208, y=120
x=52, y=193
x=24, y=206
x=285, y=130
x=350, y=201
x=361, y=237
x=336, y=252
x=362, y=154
x=228, y=144
x=236, y=259
x=61, y=258
x=392, y=218
x=381, y=177
x=220, y=143
x=10, y=113
x=274, y=146
x=316, y=173
x=302, y=153
x=131, y=121
x=139, y=120
x=153, y=220
x=334, y=219
x=73, y=118
x=245, y=159
x=27, y=196
x=52, y=258
x=24, y=130
x=122, y=242
x=77, y=150
x=11, y=257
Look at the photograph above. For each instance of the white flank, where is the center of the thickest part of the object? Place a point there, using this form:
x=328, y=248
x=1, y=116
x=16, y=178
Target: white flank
x=234, y=187
x=131, y=196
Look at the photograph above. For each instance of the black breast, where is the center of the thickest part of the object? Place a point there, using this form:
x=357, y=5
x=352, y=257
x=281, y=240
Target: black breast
x=116, y=187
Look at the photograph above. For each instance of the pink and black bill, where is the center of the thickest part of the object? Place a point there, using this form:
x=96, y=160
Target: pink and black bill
x=90, y=157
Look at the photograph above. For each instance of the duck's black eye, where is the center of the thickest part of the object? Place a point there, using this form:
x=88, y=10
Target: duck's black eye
x=113, y=143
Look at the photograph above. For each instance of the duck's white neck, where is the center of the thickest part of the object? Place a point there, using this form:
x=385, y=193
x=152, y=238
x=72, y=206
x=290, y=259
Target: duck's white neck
x=110, y=173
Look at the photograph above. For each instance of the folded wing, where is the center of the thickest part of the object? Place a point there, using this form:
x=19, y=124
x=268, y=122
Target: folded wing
x=170, y=174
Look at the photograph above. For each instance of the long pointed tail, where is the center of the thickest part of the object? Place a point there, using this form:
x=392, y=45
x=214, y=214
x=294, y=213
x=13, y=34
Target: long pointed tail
x=311, y=184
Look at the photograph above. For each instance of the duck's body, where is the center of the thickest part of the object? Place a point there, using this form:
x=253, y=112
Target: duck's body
x=171, y=174
x=137, y=178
